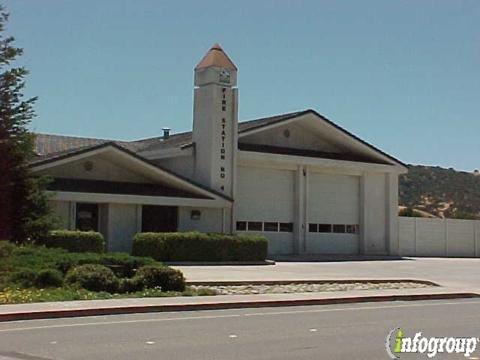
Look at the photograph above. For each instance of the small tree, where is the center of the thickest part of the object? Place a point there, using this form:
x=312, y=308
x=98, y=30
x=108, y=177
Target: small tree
x=24, y=212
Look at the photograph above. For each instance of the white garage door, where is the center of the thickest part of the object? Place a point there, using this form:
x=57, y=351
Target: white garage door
x=333, y=214
x=265, y=205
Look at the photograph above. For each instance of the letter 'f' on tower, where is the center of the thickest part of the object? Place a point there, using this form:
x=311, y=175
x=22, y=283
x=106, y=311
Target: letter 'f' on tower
x=215, y=118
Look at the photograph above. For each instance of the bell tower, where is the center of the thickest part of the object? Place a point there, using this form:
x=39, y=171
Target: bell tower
x=215, y=118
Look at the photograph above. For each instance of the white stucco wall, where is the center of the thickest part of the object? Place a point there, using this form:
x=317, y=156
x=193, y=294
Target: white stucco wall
x=375, y=206
x=215, y=120
x=182, y=165
x=122, y=226
x=210, y=220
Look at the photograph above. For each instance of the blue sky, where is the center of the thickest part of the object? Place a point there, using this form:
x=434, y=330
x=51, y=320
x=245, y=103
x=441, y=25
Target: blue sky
x=403, y=75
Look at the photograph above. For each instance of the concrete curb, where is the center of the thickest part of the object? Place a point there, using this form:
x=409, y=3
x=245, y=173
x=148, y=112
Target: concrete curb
x=115, y=310
x=287, y=282
x=219, y=263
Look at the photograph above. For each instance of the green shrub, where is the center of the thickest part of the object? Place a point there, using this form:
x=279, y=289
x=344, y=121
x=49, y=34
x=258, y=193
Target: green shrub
x=124, y=265
x=23, y=277
x=93, y=277
x=76, y=241
x=166, y=278
x=49, y=278
x=6, y=248
x=196, y=246
x=128, y=285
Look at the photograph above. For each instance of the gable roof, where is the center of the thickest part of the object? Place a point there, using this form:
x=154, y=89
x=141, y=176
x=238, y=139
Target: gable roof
x=53, y=145
x=55, y=157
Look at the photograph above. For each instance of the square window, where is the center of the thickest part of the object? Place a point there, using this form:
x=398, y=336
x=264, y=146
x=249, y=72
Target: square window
x=352, y=229
x=324, y=228
x=286, y=227
x=270, y=226
x=241, y=225
x=255, y=226
x=339, y=229
x=312, y=227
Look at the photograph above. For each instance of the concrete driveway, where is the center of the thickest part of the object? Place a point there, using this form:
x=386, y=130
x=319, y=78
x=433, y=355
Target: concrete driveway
x=461, y=274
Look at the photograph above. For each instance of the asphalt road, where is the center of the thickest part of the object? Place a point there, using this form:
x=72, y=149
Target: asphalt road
x=354, y=331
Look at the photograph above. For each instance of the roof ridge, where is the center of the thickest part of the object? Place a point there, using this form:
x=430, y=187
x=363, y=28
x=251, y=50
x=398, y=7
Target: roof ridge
x=76, y=137
x=160, y=137
x=293, y=113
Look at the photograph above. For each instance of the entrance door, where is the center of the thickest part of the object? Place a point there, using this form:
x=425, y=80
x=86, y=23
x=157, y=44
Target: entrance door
x=159, y=218
x=86, y=217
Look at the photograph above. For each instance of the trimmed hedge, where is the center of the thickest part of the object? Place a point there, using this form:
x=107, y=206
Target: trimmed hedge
x=196, y=246
x=76, y=241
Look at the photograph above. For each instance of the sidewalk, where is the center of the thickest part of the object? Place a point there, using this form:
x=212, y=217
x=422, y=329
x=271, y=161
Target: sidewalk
x=142, y=305
x=458, y=278
x=448, y=272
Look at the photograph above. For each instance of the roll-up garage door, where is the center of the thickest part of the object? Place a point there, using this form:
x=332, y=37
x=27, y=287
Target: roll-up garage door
x=265, y=204
x=333, y=214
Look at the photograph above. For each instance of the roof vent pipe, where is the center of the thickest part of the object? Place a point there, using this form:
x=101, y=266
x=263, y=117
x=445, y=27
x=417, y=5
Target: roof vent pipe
x=166, y=132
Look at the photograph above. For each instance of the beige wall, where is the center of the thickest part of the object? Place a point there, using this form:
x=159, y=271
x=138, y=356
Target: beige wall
x=439, y=237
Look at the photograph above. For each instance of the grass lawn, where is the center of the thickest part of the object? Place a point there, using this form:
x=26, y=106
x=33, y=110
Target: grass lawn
x=39, y=274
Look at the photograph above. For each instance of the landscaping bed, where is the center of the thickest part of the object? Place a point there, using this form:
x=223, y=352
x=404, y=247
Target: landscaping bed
x=307, y=287
x=36, y=273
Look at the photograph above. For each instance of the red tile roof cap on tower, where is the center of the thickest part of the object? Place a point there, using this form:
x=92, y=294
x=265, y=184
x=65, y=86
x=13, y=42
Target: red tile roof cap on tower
x=216, y=57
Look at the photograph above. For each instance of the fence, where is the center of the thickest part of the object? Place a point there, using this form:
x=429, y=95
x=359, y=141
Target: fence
x=438, y=237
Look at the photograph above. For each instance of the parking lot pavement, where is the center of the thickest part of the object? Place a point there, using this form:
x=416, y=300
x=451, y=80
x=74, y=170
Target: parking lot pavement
x=460, y=273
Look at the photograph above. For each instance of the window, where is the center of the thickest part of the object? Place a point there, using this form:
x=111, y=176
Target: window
x=241, y=225
x=352, y=229
x=286, y=227
x=312, y=227
x=339, y=229
x=324, y=228
x=255, y=226
x=270, y=226
x=267, y=226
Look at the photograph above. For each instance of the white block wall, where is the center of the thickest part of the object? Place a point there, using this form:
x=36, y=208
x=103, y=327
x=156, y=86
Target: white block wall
x=437, y=237
x=210, y=219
